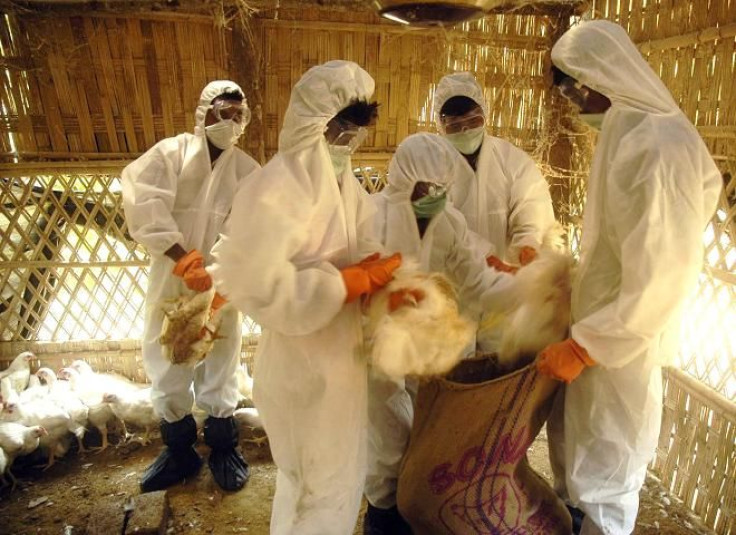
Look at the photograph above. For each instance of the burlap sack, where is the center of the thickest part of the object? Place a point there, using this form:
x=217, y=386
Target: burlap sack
x=466, y=470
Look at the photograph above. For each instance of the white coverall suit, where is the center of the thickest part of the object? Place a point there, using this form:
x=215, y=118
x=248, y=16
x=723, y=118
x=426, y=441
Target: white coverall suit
x=280, y=262
x=173, y=195
x=446, y=247
x=653, y=187
x=506, y=200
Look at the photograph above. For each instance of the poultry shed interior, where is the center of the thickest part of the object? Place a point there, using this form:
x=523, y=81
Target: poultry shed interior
x=90, y=90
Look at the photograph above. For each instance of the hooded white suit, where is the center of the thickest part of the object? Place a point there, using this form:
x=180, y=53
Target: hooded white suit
x=653, y=187
x=292, y=228
x=505, y=201
x=173, y=195
x=446, y=247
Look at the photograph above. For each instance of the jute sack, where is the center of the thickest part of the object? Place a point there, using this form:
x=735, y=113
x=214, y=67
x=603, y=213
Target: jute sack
x=465, y=470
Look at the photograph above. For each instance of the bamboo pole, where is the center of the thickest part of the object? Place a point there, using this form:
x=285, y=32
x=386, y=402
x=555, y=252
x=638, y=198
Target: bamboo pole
x=693, y=38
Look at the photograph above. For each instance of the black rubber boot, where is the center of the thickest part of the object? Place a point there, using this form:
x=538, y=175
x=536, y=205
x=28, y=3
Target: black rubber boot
x=226, y=463
x=384, y=522
x=178, y=460
x=577, y=518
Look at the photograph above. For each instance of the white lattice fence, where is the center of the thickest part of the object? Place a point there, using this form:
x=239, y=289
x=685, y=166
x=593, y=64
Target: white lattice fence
x=69, y=270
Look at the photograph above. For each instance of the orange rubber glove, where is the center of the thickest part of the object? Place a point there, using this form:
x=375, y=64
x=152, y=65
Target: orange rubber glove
x=564, y=360
x=380, y=271
x=370, y=258
x=499, y=265
x=217, y=302
x=369, y=275
x=190, y=267
x=526, y=255
x=356, y=282
x=404, y=297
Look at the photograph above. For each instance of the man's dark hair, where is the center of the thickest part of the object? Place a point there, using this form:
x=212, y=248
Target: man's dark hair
x=229, y=95
x=558, y=75
x=360, y=112
x=457, y=106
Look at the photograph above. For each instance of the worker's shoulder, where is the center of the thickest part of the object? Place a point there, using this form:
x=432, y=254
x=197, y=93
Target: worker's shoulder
x=281, y=174
x=507, y=149
x=665, y=138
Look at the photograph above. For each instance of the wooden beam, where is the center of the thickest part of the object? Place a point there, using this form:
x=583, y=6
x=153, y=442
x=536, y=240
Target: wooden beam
x=490, y=39
x=8, y=170
x=726, y=31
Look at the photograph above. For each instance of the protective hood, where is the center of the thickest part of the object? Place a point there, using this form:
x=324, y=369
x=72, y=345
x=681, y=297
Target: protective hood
x=210, y=91
x=420, y=157
x=600, y=55
x=459, y=84
x=317, y=97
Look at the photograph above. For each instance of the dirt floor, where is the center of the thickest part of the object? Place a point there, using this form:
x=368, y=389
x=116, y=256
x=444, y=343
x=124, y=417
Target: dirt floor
x=70, y=490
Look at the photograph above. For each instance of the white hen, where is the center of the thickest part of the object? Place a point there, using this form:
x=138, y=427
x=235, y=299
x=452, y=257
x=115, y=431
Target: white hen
x=422, y=337
x=16, y=440
x=133, y=407
x=19, y=371
x=541, y=314
x=90, y=392
x=59, y=392
x=54, y=419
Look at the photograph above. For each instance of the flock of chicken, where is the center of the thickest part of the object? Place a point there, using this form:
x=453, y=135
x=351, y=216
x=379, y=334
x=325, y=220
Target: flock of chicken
x=48, y=411
x=429, y=336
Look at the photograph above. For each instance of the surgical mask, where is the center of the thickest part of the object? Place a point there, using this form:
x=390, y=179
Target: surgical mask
x=224, y=134
x=593, y=120
x=429, y=206
x=340, y=156
x=467, y=142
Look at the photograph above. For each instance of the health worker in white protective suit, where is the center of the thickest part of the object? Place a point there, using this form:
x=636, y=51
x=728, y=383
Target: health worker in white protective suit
x=499, y=188
x=292, y=261
x=653, y=188
x=176, y=198
x=415, y=219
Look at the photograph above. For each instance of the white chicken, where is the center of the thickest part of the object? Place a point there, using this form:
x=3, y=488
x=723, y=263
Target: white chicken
x=6, y=391
x=99, y=414
x=541, y=314
x=52, y=382
x=108, y=381
x=16, y=440
x=60, y=393
x=19, y=371
x=34, y=391
x=189, y=329
x=248, y=417
x=133, y=407
x=423, y=337
x=54, y=419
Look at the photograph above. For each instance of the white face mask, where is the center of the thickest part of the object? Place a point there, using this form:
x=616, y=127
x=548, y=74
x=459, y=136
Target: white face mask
x=593, y=120
x=224, y=134
x=468, y=141
x=340, y=156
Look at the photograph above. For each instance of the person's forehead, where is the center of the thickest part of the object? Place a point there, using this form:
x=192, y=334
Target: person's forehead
x=472, y=112
x=227, y=100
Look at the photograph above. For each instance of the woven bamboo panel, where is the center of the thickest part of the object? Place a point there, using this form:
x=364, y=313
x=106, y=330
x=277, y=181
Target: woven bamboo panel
x=69, y=269
x=90, y=85
x=696, y=457
x=504, y=52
